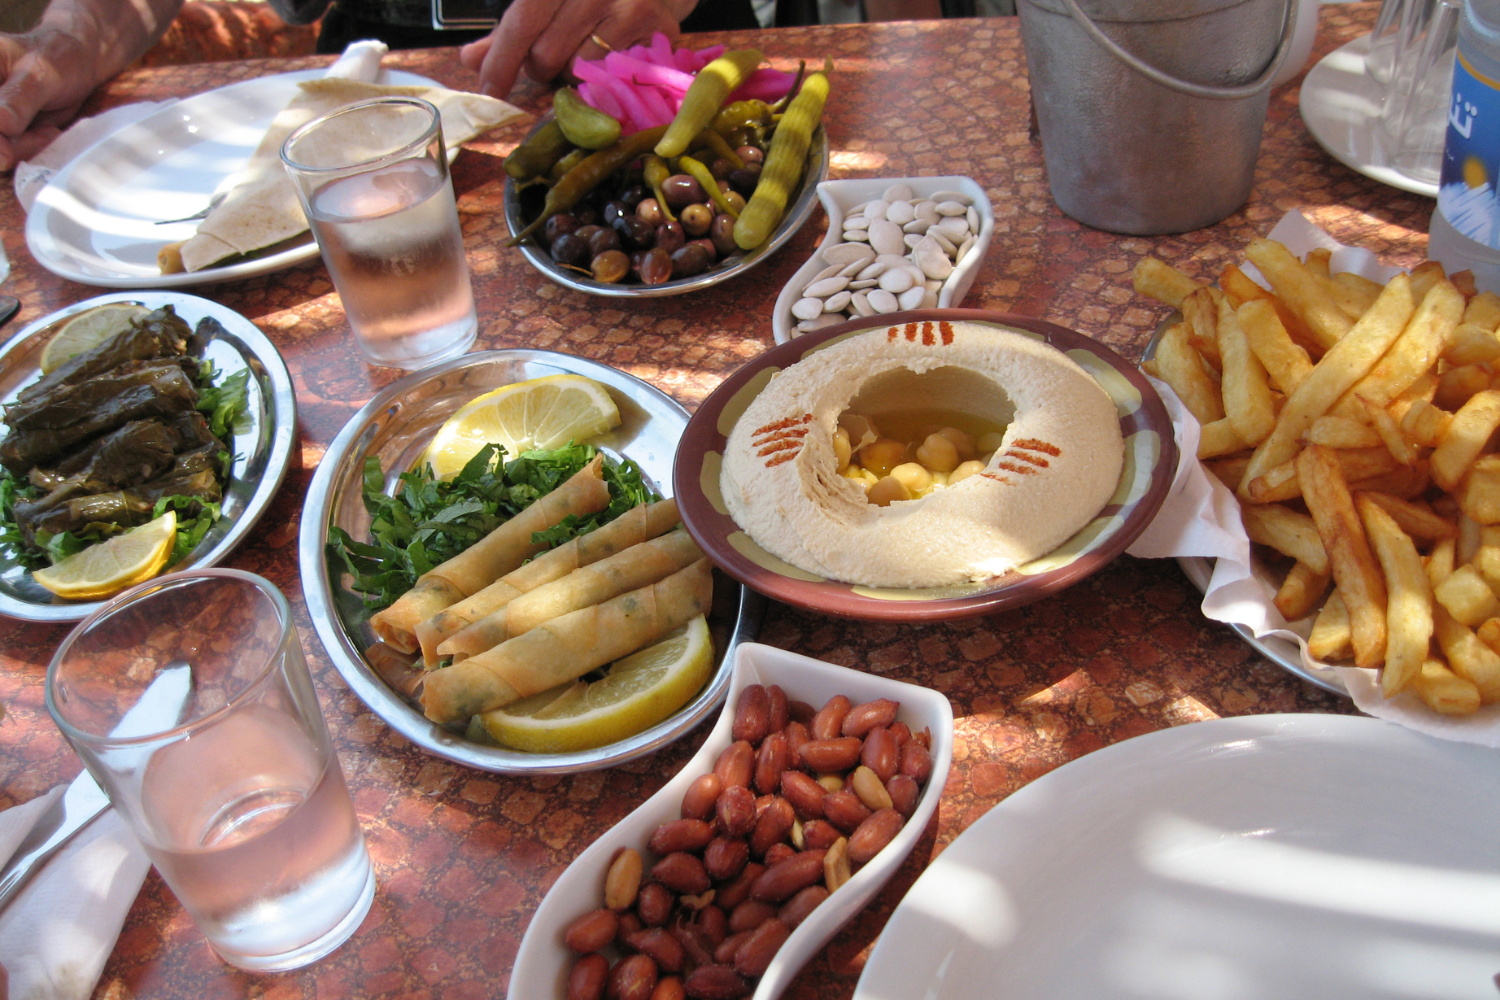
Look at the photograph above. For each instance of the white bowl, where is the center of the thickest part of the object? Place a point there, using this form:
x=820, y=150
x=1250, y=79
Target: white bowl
x=543, y=962
x=838, y=197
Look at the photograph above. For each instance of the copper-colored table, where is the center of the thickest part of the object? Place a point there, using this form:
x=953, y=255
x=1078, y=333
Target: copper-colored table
x=463, y=857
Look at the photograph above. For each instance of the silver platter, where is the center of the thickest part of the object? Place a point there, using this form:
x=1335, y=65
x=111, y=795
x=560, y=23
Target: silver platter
x=262, y=446
x=396, y=426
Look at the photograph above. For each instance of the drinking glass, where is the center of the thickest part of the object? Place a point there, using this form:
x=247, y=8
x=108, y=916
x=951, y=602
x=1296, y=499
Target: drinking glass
x=1415, y=114
x=229, y=782
x=373, y=181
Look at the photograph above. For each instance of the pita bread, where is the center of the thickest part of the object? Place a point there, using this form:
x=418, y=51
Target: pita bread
x=263, y=208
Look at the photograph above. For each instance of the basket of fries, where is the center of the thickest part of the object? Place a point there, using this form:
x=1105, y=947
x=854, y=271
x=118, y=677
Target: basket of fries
x=1355, y=421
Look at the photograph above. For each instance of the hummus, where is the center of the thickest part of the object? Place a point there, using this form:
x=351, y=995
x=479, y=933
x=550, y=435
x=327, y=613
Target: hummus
x=1058, y=465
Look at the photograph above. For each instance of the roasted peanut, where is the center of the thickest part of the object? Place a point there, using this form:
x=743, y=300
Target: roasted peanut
x=863, y=718
x=630, y=922
x=752, y=714
x=924, y=737
x=829, y=721
x=749, y=915
x=660, y=946
x=773, y=826
x=592, y=931
x=916, y=762
x=736, y=764
x=871, y=790
x=796, y=835
x=736, y=811
x=783, y=881
x=653, y=904
x=681, y=835
x=712, y=924
x=756, y=953
x=715, y=982
x=801, y=711
x=904, y=793
x=697, y=902
x=836, y=867
x=880, y=753
x=844, y=810
x=698, y=801
x=830, y=782
x=724, y=951
x=900, y=732
x=781, y=711
x=681, y=872
x=623, y=880
x=771, y=759
x=873, y=834
x=819, y=833
x=669, y=988
x=697, y=949
x=587, y=979
x=805, y=794
x=777, y=853
x=796, y=735
x=725, y=857
x=632, y=978
x=737, y=890
x=831, y=755
x=796, y=909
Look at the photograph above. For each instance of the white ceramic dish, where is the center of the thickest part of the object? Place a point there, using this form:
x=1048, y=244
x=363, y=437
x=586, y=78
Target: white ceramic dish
x=97, y=220
x=1250, y=858
x=542, y=965
x=838, y=197
x=1341, y=104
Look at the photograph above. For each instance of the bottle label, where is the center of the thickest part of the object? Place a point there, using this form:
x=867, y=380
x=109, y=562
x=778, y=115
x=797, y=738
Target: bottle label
x=1471, y=156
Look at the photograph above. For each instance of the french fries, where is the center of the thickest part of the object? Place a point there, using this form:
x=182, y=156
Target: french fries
x=1359, y=425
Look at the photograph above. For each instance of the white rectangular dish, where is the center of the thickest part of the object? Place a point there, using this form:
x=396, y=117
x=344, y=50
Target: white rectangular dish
x=543, y=962
x=839, y=198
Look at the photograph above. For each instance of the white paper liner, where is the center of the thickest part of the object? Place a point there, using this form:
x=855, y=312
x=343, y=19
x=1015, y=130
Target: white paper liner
x=1201, y=518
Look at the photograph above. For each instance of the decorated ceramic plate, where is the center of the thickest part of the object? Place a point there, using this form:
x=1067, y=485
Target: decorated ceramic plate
x=1150, y=460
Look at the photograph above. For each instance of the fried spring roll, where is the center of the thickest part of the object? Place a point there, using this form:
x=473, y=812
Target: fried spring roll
x=567, y=647
x=631, y=569
x=631, y=528
x=494, y=555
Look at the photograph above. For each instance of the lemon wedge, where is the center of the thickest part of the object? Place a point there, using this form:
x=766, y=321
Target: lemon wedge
x=638, y=692
x=544, y=412
x=88, y=330
x=114, y=564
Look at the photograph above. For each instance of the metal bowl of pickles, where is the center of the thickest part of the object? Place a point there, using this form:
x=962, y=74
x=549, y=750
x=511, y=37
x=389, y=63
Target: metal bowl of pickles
x=522, y=204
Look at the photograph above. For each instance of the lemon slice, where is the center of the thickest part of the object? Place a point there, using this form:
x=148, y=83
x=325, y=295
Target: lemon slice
x=638, y=692
x=88, y=330
x=544, y=412
x=113, y=564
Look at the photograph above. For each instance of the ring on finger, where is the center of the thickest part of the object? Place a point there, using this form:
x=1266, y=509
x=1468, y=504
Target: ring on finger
x=601, y=43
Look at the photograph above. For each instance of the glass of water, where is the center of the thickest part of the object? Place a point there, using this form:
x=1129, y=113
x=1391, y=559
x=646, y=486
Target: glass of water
x=189, y=700
x=373, y=181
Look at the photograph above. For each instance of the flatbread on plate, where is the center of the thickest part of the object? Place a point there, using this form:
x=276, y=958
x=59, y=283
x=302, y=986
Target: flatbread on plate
x=263, y=209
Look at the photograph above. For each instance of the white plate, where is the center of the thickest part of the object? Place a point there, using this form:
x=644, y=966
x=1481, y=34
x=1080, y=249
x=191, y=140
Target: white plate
x=1260, y=857
x=1341, y=104
x=840, y=196
x=542, y=964
x=96, y=220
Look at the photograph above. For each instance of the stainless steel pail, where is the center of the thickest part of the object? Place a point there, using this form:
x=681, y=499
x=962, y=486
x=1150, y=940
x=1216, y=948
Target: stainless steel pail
x=1151, y=111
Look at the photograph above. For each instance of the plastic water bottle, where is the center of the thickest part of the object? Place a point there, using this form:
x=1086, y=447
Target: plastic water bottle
x=1465, y=230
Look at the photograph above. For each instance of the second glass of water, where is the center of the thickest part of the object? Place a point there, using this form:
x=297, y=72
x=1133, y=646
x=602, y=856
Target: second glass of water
x=373, y=180
x=189, y=700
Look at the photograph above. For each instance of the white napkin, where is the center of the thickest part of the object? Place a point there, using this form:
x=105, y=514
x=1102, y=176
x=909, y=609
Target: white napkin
x=57, y=933
x=1201, y=518
x=360, y=61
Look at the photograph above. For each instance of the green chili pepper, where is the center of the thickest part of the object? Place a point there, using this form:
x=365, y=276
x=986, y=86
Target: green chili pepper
x=783, y=166
x=588, y=175
x=535, y=156
x=713, y=83
x=655, y=170
x=704, y=176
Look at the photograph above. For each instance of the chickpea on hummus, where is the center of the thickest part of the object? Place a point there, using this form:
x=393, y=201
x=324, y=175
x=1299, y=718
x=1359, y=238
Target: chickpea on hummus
x=814, y=473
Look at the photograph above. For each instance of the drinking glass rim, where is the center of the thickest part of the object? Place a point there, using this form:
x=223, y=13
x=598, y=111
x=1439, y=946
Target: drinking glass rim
x=403, y=152
x=141, y=590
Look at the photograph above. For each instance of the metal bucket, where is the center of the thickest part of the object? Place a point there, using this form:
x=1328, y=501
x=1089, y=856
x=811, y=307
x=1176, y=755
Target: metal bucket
x=1151, y=111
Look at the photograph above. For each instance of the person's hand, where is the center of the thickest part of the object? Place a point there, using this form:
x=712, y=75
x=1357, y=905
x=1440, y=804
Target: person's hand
x=40, y=94
x=543, y=36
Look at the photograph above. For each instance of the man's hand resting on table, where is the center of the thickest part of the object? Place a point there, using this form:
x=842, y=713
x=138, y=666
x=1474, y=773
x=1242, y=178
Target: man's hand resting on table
x=49, y=71
x=543, y=36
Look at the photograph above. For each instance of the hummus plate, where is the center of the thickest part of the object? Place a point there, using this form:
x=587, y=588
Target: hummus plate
x=1149, y=461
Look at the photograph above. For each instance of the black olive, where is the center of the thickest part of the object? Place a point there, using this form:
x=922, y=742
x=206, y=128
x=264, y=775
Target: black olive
x=691, y=259
x=681, y=190
x=750, y=154
x=632, y=196
x=669, y=236
x=635, y=233
x=614, y=210
x=610, y=266
x=649, y=210
x=655, y=266
x=745, y=179
x=722, y=234
x=602, y=240
x=586, y=214
x=557, y=225
x=569, y=249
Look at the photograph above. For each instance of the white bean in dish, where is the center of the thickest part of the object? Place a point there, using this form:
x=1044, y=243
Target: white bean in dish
x=893, y=254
